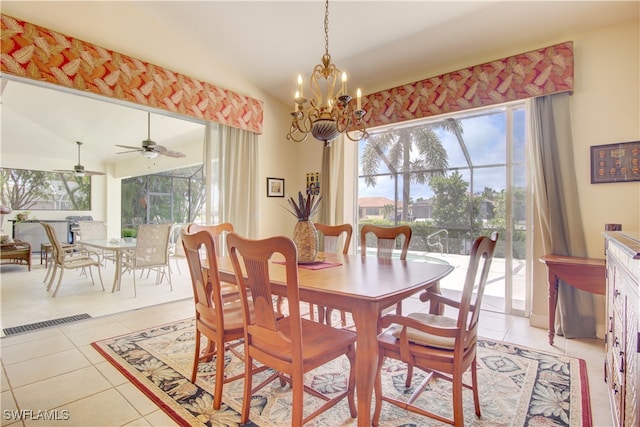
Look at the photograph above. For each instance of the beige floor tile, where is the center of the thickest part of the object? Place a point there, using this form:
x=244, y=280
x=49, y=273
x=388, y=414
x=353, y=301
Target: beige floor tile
x=107, y=408
x=99, y=332
x=137, y=399
x=91, y=354
x=41, y=368
x=3, y=380
x=34, y=349
x=159, y=418
x=140, y=422
x=112, y=375
x=7, y=403
x=61, y=390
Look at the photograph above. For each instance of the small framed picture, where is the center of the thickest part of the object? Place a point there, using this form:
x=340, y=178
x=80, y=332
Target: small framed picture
x=615, y=162
x=275, y=187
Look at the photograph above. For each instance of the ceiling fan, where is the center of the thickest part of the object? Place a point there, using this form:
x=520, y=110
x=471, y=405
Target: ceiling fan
x=149, y=148
x=79, y=170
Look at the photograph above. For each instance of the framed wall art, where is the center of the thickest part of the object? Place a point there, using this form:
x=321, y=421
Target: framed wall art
x=615, y=162
x=275, y=187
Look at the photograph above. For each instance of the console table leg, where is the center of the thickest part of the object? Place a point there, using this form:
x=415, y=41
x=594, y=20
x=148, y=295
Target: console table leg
x=553, y=303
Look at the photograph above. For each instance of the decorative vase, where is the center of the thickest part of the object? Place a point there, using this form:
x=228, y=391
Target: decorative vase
x=305, y=237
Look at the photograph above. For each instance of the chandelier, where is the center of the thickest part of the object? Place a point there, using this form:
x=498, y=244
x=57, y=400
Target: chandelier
x=326, y=115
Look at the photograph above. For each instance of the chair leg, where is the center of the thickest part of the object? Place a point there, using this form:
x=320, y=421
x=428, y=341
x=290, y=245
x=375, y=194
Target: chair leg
x=474, y=383
x=458, y=414
x=52, y=277
x=135, y=293
x=100, y=277
x=248, y=383
x=217, y=394
x=196, y=358
x=59, y=281
x=297, y=403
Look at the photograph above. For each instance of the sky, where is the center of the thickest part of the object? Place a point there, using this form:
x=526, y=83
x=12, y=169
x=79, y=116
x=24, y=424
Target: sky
x=485, y=137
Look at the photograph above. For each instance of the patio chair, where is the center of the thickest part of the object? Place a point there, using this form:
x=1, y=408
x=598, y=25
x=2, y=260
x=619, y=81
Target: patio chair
x=62, y=259
x=151, y=252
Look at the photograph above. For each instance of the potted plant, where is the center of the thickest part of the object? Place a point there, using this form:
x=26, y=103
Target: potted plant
x=128, y=234
x=305, y=235
x=22, y=216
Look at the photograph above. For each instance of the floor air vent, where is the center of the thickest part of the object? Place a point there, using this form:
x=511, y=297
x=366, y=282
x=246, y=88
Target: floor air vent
x=47, y=323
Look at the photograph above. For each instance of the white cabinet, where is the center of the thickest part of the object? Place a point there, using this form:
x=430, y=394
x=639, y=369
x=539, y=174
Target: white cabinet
x=33, y=232
x=622, y=363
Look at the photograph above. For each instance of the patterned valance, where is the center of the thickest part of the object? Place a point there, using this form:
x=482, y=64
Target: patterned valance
x=531, y=74
x=36, y=53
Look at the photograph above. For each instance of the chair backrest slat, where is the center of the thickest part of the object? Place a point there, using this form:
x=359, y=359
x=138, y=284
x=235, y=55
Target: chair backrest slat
x=386, y=240
x=332, y=235
x=253, y=258
x=475, y=283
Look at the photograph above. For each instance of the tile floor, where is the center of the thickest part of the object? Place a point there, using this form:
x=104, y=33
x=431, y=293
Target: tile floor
x=57, y=369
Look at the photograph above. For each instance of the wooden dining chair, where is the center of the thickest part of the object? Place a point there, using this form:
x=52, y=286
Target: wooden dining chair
x=443, y=347
x=387, y=238
x=291, y=345
x=331, y=235
x=219, y=320
x=219, y=233
x=63, y=259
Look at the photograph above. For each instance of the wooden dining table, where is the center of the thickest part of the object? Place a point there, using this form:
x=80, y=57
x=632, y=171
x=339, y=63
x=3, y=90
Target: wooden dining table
x=362, y=286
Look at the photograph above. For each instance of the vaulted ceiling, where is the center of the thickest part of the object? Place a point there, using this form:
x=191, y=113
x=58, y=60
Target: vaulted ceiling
x=380, y=43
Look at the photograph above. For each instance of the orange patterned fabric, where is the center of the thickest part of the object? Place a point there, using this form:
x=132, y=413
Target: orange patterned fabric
x=44, y=55
x=539, y=72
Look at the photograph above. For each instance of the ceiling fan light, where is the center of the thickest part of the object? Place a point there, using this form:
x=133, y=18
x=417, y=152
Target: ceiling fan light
x=149, y=154
x=79, y=174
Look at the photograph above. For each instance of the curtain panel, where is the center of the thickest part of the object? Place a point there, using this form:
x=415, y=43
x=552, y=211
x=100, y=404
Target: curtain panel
x=236, y=155
x=556, y=195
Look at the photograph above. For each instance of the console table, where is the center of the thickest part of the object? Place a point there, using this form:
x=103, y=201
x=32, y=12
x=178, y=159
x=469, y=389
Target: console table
x=587, y=274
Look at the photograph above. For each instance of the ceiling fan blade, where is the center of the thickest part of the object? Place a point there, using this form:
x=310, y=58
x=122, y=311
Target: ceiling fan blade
x=169, y=153
x=64, y=171
x=93, y=173
x=130, y=147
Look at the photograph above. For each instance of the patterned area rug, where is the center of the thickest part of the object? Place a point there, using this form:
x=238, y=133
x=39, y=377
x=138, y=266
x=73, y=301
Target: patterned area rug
x=518, y=386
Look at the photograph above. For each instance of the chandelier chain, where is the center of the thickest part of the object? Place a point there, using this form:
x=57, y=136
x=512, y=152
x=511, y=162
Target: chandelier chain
x=326, y=27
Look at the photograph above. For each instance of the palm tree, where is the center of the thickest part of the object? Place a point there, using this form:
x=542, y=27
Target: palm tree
x=393, y=148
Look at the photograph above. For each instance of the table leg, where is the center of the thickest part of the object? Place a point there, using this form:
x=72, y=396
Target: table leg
x=366, y=322
x=118, y=274
x=553, y=303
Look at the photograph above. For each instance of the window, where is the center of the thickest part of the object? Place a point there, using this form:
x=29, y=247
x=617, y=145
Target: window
x=452, y=179
x=173, y=196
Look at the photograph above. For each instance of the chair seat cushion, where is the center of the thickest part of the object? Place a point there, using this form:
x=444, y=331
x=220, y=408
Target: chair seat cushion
x=423, y=338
